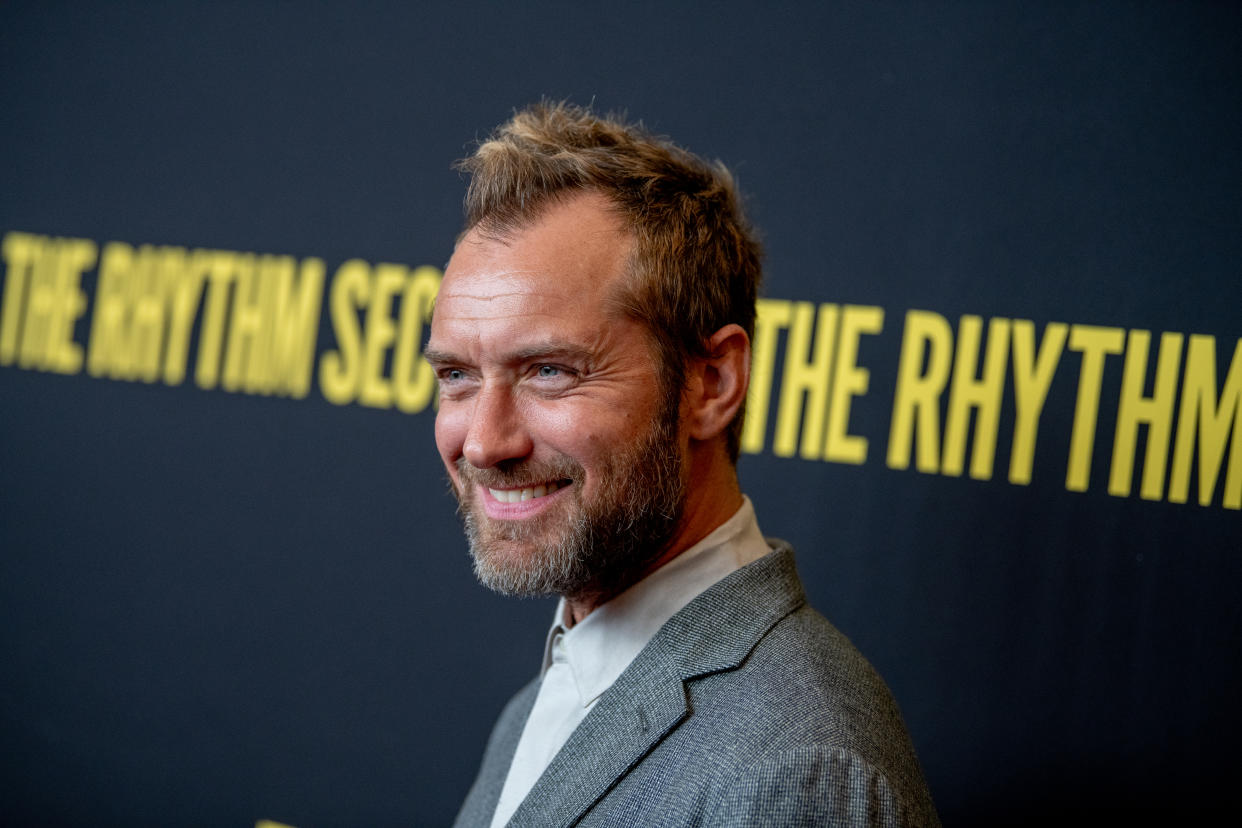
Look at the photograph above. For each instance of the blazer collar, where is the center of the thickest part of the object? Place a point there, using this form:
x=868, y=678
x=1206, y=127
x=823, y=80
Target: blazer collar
x=713, y=632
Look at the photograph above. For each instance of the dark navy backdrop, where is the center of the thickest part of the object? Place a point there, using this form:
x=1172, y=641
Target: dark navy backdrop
x=216, y=608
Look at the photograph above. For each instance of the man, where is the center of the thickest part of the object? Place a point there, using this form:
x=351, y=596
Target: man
x=592, y=343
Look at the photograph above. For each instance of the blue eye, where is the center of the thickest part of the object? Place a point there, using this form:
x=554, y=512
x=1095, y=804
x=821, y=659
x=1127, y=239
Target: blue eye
x=454, y=374
x=549, y=371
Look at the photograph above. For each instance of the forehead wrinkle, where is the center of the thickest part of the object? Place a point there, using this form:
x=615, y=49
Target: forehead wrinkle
x=498, y=316
x=466, y=309
x=474, y=293
x=491, y=297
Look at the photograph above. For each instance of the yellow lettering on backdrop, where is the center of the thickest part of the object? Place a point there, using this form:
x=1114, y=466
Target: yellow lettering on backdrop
x=222, y=271
x=1094, y=344
x=274, y=326
x=771, y=317
x=358, y=370
x=1201, y=414
x=1032, y=376
x=265, y=328
x=145, y=302
x=260, y=320
x=243, y=347
x=108, y=354
x=185, y=290
x=413, y=381
x=848, y=381
x=43, y=300
x=19, y=251
x=388, y=281
x=1155, y=411
x=806, y=373
x=983, y=395
x=340, y=371
x=294, y=329
x=146, y=298
x=916, y=403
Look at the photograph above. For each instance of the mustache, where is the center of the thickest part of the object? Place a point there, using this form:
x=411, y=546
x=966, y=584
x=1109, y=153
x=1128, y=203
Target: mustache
x=521, y=474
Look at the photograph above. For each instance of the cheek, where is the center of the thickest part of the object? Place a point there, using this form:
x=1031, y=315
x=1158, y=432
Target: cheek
x=563, y=429
x=590, y=435
x=450, y=436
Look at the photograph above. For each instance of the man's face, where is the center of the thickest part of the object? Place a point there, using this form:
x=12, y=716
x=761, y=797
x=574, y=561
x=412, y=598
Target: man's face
x=563, y=448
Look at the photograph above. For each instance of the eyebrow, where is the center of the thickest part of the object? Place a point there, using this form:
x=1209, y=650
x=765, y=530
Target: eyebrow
x=545, y=350
x=438, y=357
x=550, y=350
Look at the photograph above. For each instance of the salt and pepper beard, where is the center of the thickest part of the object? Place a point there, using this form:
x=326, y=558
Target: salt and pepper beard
x=605, y=543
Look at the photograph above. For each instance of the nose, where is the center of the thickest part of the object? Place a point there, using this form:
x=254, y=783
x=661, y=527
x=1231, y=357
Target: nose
x=497, y=431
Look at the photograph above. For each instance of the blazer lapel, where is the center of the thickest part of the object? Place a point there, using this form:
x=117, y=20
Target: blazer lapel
x=713, y=632
x=626, y=722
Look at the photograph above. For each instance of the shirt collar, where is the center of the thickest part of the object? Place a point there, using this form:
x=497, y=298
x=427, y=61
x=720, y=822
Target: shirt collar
x=601, y=646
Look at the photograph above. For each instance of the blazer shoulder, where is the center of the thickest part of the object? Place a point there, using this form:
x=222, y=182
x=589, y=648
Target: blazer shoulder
x=818, y=785
x=799, y=731
x=815, y=709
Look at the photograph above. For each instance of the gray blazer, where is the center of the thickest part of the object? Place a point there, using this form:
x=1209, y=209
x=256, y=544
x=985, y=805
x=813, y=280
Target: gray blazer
x=746, y=708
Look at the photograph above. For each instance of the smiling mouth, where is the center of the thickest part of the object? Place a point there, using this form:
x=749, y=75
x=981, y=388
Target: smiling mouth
x=529, y=493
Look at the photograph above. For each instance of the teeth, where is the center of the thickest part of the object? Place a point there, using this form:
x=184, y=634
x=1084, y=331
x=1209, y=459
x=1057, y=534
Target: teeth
x=518, y=495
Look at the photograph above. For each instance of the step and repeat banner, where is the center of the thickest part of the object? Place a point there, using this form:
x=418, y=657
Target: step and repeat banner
x=996, y=399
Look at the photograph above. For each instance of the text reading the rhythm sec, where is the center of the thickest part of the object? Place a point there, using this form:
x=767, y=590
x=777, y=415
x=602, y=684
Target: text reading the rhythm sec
x=250, y=323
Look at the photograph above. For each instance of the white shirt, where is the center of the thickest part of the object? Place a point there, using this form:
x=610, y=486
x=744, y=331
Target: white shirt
x=579, y=664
